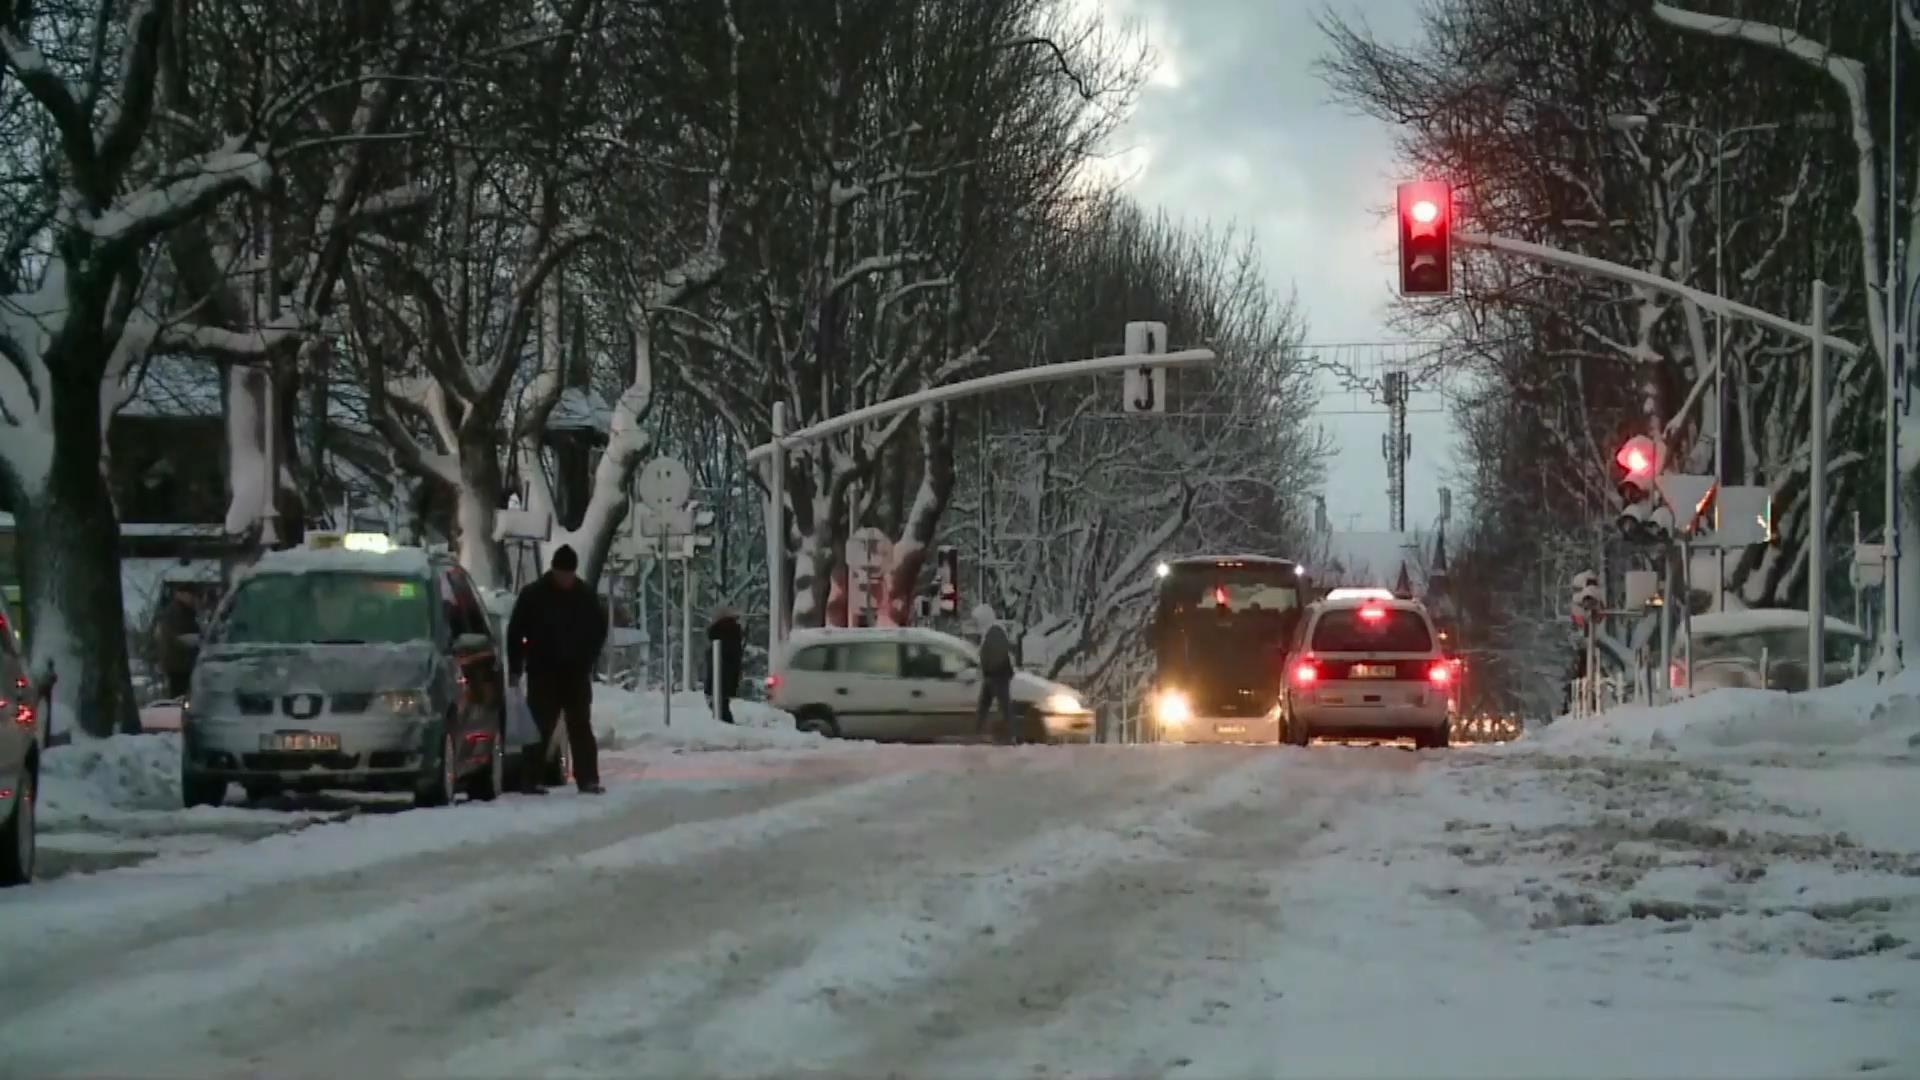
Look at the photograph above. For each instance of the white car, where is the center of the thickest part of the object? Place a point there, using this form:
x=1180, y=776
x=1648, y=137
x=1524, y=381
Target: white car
x=23, y=737
x=1367, y=668
x=1763, y=648
x=908, y=684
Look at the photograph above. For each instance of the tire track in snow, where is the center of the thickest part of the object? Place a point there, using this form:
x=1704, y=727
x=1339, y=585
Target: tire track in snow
x=666, y=948
x=166, y=979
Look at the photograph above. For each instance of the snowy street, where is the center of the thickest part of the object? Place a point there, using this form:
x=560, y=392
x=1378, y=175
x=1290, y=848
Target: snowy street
x=1723, y=899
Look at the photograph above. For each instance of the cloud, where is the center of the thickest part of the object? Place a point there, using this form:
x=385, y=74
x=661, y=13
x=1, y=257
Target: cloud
x=1235, y=126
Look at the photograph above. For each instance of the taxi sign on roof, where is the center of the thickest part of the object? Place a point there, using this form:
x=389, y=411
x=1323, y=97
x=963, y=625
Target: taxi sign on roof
x=372, y=543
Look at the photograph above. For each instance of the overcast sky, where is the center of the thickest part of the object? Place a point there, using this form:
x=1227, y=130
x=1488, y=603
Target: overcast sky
x=1235, y=125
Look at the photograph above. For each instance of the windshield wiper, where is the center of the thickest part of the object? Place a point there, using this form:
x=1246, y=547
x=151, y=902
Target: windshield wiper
x=336, y=641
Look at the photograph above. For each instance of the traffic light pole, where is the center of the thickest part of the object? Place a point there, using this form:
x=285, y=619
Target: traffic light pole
x=774, y=451
x=1815, y=335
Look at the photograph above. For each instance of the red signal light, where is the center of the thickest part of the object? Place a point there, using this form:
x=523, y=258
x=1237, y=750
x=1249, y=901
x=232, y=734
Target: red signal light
x=1426, y=238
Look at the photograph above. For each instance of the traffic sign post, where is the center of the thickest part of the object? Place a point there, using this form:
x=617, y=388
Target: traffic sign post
x=773, y=451
x=1146, y=385
x=666, y=526
x=869, y=551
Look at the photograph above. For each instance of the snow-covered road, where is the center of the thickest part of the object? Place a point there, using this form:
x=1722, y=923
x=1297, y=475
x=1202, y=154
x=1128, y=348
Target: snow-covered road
x=982, y=912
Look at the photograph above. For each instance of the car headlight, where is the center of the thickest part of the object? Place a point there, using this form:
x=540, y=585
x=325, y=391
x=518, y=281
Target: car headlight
x=404, y=702
x=1171, y=708
x=1062, y=703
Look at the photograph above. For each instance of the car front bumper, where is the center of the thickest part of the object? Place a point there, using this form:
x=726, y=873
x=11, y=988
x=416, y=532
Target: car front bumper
x=1069, y=727
x=376, y=752
x=1223, y=729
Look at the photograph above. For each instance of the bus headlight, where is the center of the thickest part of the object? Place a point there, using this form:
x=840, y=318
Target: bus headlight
x=1171, y=708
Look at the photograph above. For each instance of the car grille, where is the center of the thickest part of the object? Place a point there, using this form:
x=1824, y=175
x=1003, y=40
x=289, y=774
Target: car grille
x=298, y=762
x=254, y=704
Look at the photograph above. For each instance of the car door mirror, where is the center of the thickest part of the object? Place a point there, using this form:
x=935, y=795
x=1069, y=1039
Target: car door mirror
x=472, y=644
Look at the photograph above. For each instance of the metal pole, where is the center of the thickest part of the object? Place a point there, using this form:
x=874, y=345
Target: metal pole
x=666, y=627
x=1895, y=377
x=686, y=625
x=714, y=689
x=776, y=538
x=1666, y=628
x=1719, y=354
x=1817, y=501
x=1686, y=607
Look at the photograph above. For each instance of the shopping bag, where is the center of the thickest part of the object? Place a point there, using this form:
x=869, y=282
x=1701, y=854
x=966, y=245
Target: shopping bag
x=521, y=730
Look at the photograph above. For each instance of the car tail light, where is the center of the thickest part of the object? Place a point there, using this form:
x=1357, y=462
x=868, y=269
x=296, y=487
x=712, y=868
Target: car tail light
x=1373, y=613
x=773, y=683
x=1306, y=673
x=1441, y=673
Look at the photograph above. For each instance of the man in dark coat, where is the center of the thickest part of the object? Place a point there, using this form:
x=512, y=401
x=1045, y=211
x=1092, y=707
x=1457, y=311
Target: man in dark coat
x=555, y=635
x=179, y=618
x=726, y=631
x=996, y=682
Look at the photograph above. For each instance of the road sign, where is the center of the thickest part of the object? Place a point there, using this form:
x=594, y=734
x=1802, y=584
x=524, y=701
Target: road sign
x=521, y=525
x=1642, y=586
x=869, y=548
x=665, y=484
x=1743, y=516
x=1686, y=494
x=1146, y=387
x=649, y=522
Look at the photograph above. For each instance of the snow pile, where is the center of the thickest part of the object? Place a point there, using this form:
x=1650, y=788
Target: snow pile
x=97, y=778
x=626, y=719
x=1861, y=715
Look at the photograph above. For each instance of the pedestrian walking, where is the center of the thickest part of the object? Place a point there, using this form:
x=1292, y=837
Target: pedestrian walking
x=178, y=619
x=996, y=682
x=554, y=637
x=724, y=685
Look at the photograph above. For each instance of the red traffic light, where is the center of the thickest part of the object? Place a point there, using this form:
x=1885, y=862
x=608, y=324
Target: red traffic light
x=1639, y=459
x=1426, y=238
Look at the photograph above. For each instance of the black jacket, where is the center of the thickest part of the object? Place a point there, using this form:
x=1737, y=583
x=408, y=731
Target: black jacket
x=555, y=634
x=175, y=622
x=727, y=633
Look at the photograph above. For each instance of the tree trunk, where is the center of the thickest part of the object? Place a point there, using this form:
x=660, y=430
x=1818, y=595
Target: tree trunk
x=69, y=555
x=476, y=503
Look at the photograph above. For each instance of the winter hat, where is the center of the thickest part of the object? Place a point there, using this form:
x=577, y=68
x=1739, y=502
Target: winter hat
x=565, y=560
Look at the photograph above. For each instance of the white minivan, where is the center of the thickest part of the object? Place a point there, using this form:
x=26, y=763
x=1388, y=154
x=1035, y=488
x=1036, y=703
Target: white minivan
x=908, y=684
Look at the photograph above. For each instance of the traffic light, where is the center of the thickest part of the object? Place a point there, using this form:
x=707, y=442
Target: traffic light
x=1587, y=597
x=1639, y=461
x=949, y=580
x=1426, y=238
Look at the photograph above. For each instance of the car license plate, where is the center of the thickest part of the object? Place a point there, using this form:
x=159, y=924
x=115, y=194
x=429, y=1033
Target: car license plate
x=300, y=740
x=1230, y=729
x=1373, y=671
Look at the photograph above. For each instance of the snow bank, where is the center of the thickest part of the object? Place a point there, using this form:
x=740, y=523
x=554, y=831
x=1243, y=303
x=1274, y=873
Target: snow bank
x=95, y=778
x=1860, y=715
x=627, y=719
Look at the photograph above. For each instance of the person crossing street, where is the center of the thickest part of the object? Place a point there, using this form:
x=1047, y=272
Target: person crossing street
x=554, y=637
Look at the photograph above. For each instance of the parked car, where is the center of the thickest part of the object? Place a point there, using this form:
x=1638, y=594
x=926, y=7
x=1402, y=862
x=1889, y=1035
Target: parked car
x=908, y=684
x=1364, y=667
x=361, y=667
x=22, y=742
x=1760, y=649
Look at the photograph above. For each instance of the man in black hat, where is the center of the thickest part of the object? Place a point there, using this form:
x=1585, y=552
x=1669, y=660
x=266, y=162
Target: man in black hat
x=555, y=635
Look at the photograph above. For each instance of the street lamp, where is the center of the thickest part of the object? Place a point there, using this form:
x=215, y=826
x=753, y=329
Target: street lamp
x=1625, y=122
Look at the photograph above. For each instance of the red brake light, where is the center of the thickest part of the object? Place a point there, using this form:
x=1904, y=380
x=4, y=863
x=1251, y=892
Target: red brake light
x=1373, y=613
x=1441, y=674
x=773, y=682
x=1306, y=673
x=1220, y=596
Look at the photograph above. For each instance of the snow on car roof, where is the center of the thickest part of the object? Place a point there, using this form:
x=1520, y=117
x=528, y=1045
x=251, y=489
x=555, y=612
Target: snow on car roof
x=402, y=561
x=1761, y=621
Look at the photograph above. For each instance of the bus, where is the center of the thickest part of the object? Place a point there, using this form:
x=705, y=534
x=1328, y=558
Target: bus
x=1220, y=626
